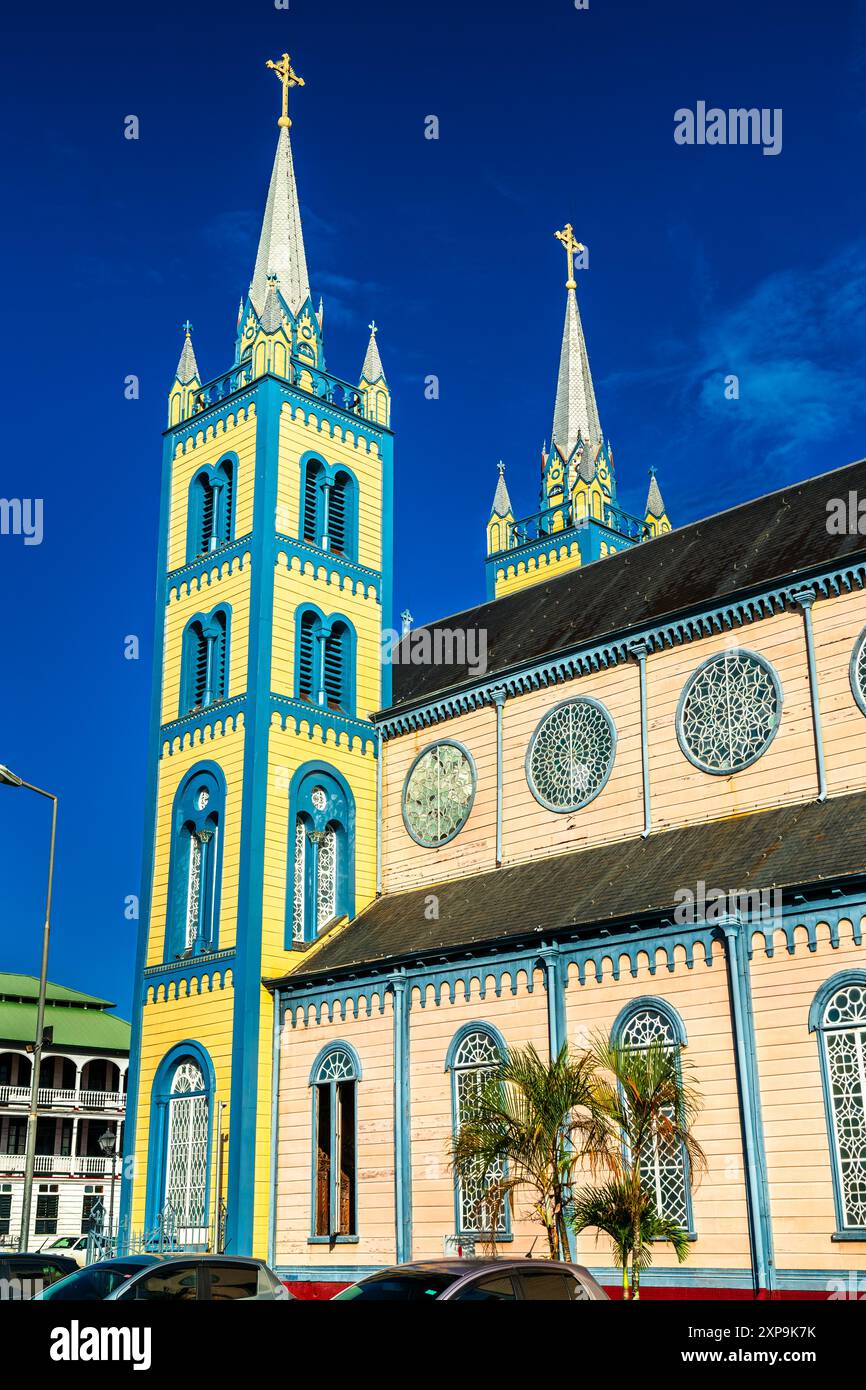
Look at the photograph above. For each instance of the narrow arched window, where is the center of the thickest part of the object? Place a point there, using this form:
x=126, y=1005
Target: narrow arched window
x=321, y=854
x=334, y=1081
x=341, y=516
x=839, y=1017
x=186, y=1162
x=194, y=873
x=474, y=1057
x=210, y=521
x=312, y=502
x=335, y=667
x=204, y=662
x=307, y=681
x=664, y=1170
x=196, y=657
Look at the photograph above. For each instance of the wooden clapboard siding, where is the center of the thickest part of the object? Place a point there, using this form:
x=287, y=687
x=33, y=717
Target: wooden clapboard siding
x=838, y=623
x=373, y=1039
x=521, y=1018
x=681, y=792
x=700, y=997
x=796, y=1136
x=406, y=863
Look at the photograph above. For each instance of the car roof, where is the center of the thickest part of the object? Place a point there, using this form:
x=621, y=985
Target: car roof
x=456, y=1265
x=37, y=1256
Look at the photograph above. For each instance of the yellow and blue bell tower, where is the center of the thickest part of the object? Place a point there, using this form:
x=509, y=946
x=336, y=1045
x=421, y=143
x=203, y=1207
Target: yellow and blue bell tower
x=274, y=584
x=579, y=518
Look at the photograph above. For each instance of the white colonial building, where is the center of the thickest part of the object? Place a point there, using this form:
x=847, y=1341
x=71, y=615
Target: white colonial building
x=82, y=1095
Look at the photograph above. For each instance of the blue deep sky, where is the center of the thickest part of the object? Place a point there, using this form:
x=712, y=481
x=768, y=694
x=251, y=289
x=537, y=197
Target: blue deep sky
x=703, y=262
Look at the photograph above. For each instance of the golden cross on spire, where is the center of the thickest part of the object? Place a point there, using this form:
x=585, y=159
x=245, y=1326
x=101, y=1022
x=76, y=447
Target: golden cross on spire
x=289, y=78
x=571, y=244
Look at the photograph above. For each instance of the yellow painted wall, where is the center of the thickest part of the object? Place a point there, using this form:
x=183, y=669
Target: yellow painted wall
x=227, y=583
x=513, y=574
x=838, y=623
x=307, y=581
x=205, y=1017
x=236, y=434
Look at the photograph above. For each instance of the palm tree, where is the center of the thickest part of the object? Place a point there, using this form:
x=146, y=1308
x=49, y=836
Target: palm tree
x=528, y=1126
x=645, y=1104
x=609, y=1209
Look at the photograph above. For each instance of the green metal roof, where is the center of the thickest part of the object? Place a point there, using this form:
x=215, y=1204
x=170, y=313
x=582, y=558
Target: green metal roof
x=79, y=1020
x=27, y=987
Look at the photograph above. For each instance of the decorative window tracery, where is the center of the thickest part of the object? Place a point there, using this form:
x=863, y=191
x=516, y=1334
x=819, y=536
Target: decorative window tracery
x=321, y=854
x=857, y=671
x=571, y=754
x=187, y=1152
x=438, y=794
x=842, y=1028
x=476, y=1058
x=729, y=712
x=664, y=1173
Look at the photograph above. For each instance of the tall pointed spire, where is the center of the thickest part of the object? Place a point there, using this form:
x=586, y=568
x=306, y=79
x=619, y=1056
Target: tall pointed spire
x=501, y=500
x=187, y=367
x=575, y=412
x=281, y=244
x=654, y=503
x=372, y=370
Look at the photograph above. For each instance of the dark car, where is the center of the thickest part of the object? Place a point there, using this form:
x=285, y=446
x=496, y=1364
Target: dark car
x=160, y=1278
x=26, y=1275
x=95, y=1282
x=204, y=1279
x=476, y=1281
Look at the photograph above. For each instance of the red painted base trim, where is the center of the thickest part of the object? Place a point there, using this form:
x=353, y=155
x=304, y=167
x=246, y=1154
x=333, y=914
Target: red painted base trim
x=322, y=1291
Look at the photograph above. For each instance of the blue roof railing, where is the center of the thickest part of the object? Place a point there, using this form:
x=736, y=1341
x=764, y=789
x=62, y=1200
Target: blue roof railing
x=554, y=520
x=302, y=375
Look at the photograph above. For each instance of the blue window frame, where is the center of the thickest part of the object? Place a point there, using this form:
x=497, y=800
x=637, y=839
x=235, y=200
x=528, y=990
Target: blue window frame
x=180, y=1146
x=838, y=1016
x=665, y=1174
x=204, y=660
x=329, y=507
x=475, y=1054
x=195, y=871
x=321, y=857
x=334, y=1080
x=210, y=513
x=325, y=660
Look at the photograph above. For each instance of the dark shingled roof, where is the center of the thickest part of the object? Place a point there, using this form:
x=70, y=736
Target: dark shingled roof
x=786, y=847
x=733, y=553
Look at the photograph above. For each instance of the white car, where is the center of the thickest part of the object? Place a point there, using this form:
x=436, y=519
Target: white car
x=73, y=1246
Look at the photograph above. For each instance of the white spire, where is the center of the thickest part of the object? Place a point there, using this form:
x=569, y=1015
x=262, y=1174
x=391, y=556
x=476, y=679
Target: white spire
x=575, y=411
x=187, y=367
x=654, y=503
x=372, y=369
x=501, y=500
x=281, y=245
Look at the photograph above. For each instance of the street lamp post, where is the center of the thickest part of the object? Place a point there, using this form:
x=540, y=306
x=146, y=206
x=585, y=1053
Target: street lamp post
x=108, y=1145
x=9, y=779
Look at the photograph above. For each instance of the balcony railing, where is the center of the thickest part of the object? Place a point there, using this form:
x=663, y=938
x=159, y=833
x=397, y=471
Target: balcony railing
x=75, y=1165
x=554, y=520
x=51, y=1098
x=301, y=374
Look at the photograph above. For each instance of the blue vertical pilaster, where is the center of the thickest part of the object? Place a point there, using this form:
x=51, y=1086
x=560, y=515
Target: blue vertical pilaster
x=402, y=1134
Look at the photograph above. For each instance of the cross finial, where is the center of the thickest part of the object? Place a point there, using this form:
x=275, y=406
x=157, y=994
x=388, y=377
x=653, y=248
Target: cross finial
x=289, y=78
x=571, y=244
x=406, y=620
x=501, y=467
x=373, y=327
x=187, y=327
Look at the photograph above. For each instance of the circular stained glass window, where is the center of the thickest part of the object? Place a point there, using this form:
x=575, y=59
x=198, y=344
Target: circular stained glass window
x=729, y=712
x=858, y=671
x=571, y=755
x=438, y=794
